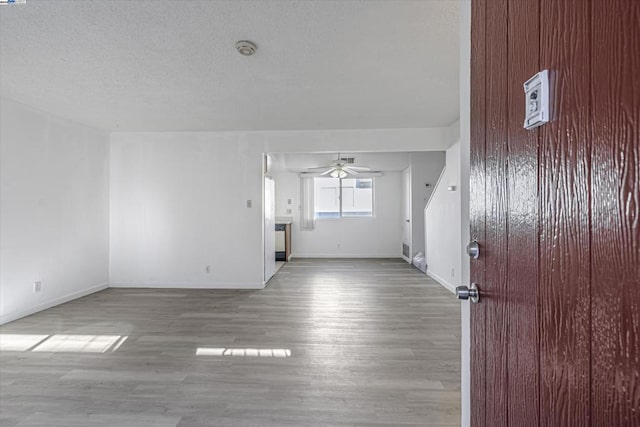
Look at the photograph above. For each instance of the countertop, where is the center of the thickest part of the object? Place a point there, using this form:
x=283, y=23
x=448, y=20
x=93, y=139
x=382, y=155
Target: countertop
x=283, y=220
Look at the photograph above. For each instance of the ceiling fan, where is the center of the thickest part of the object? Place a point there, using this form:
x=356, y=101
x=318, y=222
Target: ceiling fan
x=339, y=168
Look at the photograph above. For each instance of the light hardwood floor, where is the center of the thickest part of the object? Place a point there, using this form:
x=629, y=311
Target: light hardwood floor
x=353, y=342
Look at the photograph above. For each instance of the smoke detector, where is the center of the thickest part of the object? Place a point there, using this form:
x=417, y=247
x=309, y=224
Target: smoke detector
x=246, y=48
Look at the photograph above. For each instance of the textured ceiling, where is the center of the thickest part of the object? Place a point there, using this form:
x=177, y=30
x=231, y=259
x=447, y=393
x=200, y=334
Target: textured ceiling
x=157, y=65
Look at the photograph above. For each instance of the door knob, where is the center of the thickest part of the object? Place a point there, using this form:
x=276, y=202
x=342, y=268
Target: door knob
x=473, y=249
x=465, y=293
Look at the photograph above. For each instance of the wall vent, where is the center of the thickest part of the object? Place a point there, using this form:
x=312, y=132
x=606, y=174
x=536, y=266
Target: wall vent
x=348, y=160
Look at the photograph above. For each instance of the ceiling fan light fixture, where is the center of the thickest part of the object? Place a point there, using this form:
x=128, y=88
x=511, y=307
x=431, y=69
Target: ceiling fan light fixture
x=246, y=48
x=339, y=168
x=338, y=173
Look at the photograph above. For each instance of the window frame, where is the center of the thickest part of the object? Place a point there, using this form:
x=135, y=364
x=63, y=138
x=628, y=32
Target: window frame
x=340, y=215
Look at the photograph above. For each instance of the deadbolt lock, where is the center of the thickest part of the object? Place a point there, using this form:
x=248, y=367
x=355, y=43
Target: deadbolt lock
x=468, y=293
x=473, y=249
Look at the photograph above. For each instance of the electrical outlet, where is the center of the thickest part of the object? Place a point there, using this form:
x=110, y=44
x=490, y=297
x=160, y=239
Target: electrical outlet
x=249, y=203
x=207, y=269
x=37, y=287
x=338, y=245
x=453, y=272
x=288, y=211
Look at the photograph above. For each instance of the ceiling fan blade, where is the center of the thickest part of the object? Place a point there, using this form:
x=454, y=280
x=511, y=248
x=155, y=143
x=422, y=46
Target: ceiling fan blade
x=350, y=171
x=359, y=168
x=318, y=169
x=328, y=171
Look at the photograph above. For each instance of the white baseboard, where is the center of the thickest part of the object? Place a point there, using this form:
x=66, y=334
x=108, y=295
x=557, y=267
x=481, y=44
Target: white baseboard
x=10, y=317
x=339, y=256
x=183, y=285
x=450, y=287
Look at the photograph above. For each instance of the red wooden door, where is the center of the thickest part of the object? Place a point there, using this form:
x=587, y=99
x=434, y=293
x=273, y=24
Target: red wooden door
x=556, y=210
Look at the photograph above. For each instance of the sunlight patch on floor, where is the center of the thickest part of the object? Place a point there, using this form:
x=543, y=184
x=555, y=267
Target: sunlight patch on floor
x=61, y=343
x=19, y=342
x=244, y=352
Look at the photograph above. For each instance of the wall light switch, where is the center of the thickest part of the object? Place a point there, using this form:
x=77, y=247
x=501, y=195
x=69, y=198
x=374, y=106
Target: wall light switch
x=536, y=91
x=288, y=201
x=249, y=203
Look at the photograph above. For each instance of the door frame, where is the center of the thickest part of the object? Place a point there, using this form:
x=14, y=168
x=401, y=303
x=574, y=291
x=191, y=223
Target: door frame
x=268, y=244
x=406, y=201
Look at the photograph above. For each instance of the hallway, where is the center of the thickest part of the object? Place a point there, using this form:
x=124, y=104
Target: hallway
x=328, y=342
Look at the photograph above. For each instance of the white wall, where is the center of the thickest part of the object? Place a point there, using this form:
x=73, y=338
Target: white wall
x=178, y=201
x=176, y=205
x=358, y=237
x=442, y=218
x=54, y=210
x=179, y=204
x=355, y=140
x=426, y=168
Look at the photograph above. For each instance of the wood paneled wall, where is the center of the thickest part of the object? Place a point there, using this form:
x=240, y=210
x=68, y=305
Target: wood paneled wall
x=615, y=212
x=563, y=190
x=556, y=338
x=477, y=205
x=522, y=242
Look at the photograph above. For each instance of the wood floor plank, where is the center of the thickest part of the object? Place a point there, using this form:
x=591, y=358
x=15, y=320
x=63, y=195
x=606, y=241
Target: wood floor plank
x=352, y=342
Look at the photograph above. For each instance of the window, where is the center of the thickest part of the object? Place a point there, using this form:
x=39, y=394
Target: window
x=343, y=198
